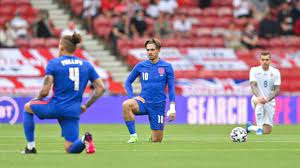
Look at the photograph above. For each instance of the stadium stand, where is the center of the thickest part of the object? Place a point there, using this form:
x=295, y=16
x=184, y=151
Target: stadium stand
x=204, y=55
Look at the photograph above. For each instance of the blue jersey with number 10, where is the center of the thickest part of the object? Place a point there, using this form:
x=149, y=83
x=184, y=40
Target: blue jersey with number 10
x=71, y=75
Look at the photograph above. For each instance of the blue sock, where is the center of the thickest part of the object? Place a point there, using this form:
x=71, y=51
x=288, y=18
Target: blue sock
x=77, y=147
x=28, y=125
x=131, y=126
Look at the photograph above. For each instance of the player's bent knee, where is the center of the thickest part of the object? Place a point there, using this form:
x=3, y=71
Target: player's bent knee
x=126, y=104
x=267, y=131
x=28, y=108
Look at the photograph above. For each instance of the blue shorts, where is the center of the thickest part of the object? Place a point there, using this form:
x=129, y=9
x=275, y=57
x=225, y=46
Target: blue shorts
x=46, y=110
x=155, y=112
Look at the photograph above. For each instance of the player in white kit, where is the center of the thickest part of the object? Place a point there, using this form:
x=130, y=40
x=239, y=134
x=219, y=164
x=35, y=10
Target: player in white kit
x=265, y=85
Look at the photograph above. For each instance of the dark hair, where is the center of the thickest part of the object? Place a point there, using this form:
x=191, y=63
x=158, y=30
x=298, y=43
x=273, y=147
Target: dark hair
x=265, y=53
x=154, y=41
x=70, y=42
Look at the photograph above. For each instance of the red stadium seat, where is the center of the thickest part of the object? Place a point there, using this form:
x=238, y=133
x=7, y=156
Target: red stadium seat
x=22, y=43
x=8, y=3
x=7, y=11
x=169, y=42
x=24, y=3
x=52, y=42
x=37, y=43
x=216, y=42
x=200, y=42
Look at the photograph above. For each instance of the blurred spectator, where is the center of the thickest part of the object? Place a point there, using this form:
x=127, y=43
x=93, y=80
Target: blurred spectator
x=232, y=36
x=297, y=27
x=168, y=6
x=249, y=36
x=70, y=29
x=182, y=26
x=20, y=26
x=90, y=11
x=152, y=9
x=260, y=8
x=269, y=27
x=7, y=36
x=162, y=27
x=285, y=19
x=204, y=3
x=286, y=27
x=138, y=25
x=108, y=6
x=120, y=31
x=296, y=11
x=275, y=3
x=43, y=26
x=242, y=8
x=133, y=6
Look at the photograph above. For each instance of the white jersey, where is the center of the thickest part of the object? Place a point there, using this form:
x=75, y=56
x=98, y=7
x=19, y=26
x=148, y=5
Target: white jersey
x=265, y=79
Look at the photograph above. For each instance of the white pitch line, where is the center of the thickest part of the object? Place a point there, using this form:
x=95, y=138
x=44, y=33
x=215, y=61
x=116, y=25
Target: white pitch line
x=177, y=150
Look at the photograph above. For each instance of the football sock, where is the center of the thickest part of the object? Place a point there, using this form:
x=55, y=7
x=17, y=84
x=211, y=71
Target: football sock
x=253, y=128
x=31, y=145
x=259, y=112
x=77, y=147
x=131, y=127
x=28, y=125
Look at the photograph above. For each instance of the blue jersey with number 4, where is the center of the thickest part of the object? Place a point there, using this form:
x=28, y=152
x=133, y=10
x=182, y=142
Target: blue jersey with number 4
x=71, y=75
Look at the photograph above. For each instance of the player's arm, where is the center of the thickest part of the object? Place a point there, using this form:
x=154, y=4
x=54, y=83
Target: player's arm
x=48, y=82
x=171, y=87
x=98, y=85
x=253, y=83
x=276, y=88
x=99, y=89
x=254, y=88
x=131, y=78
x=275, y=92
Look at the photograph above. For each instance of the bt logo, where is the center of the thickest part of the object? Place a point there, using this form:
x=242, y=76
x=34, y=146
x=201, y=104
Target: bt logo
x=9, y=110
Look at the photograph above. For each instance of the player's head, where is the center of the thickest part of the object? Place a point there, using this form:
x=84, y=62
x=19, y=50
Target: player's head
x=265, y=59
x=153, y=48
x=68, y=44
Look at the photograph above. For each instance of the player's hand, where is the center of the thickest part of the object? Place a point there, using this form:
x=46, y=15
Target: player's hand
x=261, y=100
x=171, y=116
x=83, y=108
x=139, y=98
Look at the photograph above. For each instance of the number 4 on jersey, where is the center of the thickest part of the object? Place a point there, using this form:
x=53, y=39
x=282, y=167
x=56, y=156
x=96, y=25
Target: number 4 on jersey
x=74, y=76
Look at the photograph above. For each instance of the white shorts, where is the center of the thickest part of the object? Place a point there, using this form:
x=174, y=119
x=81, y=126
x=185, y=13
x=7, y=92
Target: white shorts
x=268, y=110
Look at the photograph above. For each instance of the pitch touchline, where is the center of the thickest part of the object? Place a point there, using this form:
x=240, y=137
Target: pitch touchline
x=200, y=150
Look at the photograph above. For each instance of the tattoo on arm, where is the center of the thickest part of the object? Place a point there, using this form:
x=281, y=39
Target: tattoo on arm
x=48, y=81
x=275, y=92
x=254, y=88
x=99, y=89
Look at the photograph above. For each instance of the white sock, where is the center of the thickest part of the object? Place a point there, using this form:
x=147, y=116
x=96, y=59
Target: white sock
x=31, y=145
x=259, y=113
x=253, y=128
x=135, y=135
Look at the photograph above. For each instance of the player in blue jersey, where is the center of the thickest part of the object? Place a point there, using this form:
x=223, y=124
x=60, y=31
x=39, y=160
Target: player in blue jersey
x=68, y=75
x=154, y=75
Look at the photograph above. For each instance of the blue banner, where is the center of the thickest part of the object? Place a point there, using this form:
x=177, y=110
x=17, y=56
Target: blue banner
x=190, y=110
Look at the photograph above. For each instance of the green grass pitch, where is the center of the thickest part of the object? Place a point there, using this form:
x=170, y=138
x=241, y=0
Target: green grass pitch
x=186, y=146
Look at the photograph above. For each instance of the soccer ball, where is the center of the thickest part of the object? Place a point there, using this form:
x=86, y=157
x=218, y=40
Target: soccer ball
x=238, y=134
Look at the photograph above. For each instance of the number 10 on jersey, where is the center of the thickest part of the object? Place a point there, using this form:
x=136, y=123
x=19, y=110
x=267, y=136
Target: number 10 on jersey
x=145, y=75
